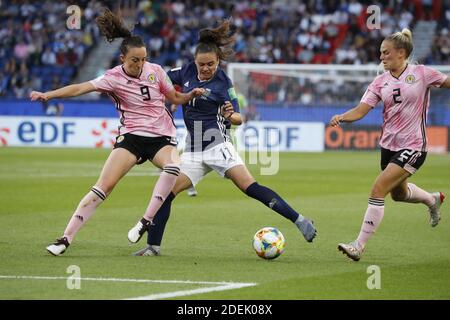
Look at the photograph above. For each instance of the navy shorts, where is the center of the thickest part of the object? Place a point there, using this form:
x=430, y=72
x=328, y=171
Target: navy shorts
x=408, y=159
x=144, y=148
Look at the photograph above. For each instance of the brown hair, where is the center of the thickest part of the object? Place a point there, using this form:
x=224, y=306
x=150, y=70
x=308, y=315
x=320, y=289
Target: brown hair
x=402, y=40
x=111, y=27
x=219, y=40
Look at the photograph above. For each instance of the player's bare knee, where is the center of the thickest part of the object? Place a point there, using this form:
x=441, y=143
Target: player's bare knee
x=243, y=185
x=398, y=196
x=106, y=185
x=378, y=192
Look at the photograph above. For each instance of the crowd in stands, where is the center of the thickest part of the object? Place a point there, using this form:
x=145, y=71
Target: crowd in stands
x=279, y=31
x=360, y=46
x=38, y=51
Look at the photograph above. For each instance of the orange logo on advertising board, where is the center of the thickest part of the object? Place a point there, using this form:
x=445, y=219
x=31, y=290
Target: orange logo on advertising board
x=367, y=138
x=437, y=139
x=359, y=138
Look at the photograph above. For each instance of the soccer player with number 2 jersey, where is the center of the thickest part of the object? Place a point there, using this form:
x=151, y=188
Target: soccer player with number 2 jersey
x=404, y=89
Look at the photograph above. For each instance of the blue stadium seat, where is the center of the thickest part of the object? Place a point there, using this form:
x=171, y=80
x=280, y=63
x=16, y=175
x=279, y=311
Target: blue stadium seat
x=65, y=79
x=59, y=71
x=46, y=71
x=36, y=71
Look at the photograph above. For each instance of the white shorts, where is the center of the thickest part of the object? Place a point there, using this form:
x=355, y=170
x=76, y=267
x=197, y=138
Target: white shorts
x=195, y=165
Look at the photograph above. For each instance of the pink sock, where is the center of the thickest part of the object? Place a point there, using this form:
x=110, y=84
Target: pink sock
x=372, y=219
x=84, y=211
x=418, y=195
x=163, y=187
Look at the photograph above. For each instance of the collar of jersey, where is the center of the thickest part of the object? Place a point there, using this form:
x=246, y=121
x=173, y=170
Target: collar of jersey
x=407, y=65
x=205, y=81
x=123, y=69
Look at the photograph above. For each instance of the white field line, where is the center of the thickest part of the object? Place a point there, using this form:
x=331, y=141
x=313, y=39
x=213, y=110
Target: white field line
x=228, y=286
x=217, y=286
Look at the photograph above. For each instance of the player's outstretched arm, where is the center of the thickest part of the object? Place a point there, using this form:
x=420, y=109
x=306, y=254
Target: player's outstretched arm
x=351, y=115
x=72, y=90
x=176, y=97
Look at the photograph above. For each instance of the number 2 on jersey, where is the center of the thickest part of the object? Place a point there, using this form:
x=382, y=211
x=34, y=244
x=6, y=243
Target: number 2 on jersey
x=396, y=95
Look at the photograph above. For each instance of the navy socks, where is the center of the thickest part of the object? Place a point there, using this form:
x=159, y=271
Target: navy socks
x=272, y=200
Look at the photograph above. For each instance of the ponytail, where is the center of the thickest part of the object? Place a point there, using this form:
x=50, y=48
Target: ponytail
x=112, y=26
x=402, y=40
x=219, y=40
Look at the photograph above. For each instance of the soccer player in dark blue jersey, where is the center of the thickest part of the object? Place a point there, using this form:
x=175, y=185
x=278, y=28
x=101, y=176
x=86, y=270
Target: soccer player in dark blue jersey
x=208, y=147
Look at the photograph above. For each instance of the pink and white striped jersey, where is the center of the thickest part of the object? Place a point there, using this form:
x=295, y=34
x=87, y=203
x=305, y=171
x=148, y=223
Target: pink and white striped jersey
x=406, y=100
x=140, y=101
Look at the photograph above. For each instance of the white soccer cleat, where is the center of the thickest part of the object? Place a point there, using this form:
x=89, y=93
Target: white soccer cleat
x=136, y=233
x=192, y=192
x=435, y=215
x=58, y=247
x=353, y=250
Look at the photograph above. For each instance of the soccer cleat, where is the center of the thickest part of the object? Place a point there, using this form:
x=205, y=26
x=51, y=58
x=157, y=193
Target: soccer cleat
x=307, y=228
x=148, y=251
x=58, y=247
x=192, y=192
x=435, y=216
x=353, y=250
x=136, y=233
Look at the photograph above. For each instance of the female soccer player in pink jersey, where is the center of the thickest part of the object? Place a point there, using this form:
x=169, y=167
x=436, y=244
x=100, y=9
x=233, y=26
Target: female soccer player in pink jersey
x=405, y=91
x=146, y=130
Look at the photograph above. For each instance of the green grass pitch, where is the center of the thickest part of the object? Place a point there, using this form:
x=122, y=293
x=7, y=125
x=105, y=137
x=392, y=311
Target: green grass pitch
x=208, y=238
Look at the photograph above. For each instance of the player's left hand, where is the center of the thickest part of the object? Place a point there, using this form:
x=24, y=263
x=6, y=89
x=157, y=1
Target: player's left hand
x=197, y=92
x=227, y=110
x=37, y=95
x=336, y=120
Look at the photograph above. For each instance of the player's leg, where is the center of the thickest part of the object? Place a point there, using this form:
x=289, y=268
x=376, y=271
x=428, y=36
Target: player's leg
x=168, y=160
x=192, y=171
x=387, y=180
x=156, y=230
x=409, y=192
x=242, y=178
x=193, y=168
x=119, y=162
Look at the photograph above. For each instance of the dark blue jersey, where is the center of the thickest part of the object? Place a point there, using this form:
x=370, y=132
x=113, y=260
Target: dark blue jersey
x=205, y=125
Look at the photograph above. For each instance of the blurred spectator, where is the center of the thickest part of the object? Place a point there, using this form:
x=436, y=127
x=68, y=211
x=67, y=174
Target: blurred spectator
x=52, y=108
x=3, y=84
x=48, y=57
x=252, y=114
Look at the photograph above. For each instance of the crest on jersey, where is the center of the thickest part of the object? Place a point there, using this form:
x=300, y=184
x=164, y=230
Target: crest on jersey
x=232, y=93
x=120, y=139
x=151, y=78
x=410, y=79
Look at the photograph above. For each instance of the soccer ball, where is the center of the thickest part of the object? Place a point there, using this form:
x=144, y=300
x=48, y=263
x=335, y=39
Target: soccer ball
x=268, y=243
